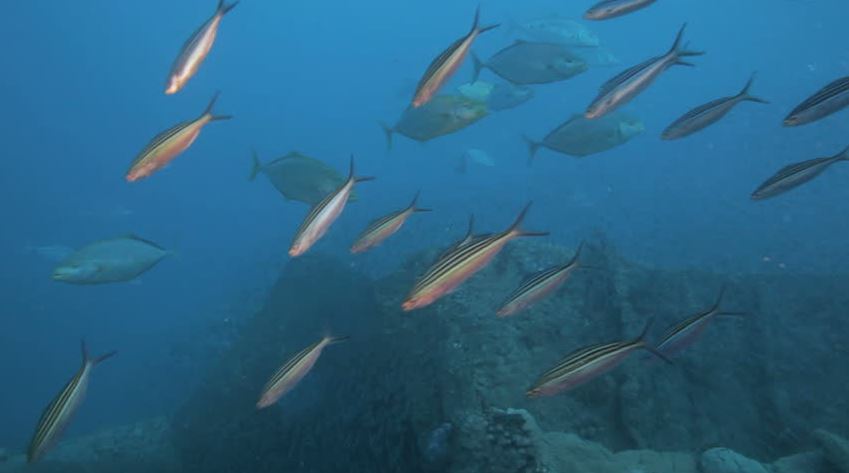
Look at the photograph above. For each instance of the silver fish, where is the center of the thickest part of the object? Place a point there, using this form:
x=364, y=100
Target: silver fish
x=796, y=174
x=826, y=101
x=526, y=63
x=608, y=9
x=195, y=50
x=58, y=414
x=107, y=261
x=708, y=114
x=628, y=84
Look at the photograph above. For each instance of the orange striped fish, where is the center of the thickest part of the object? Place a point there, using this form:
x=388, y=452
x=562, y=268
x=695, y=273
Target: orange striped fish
x=293, y=371
x=58, y=414
x=166, y=146
x=447, y=63
x=322, y=216
x=539, y=285
x=384, y=227
x=195, y=50
x=460, y=263
x=587, y=364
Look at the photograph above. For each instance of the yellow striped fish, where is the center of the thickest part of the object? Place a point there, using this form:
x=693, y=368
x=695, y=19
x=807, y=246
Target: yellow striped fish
x=323, y=215
x=539, y=285
x=384, y=227
x=58, y=414
x=447, y=63
x=166, y=146
x=293, y=371
x=589, y=363
x=460, y=263
x=195, y=50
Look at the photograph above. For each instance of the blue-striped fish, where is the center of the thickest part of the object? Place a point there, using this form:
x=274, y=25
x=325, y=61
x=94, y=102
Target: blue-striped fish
x=447, y=63
x=831, y=98
x=58, y=414
x=539, y=285
x=166, y=146
x=293, y=371
x=195, y=50
x=681, y=335
x=589, y=363
x=794, y=175
x=607, y=9
x=708, y=114
x=628, y=84
x=459, y=264
x=384, y=227
x=322, y=216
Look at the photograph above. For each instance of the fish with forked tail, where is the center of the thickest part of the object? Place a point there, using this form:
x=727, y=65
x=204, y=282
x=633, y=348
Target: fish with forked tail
x=794, y=175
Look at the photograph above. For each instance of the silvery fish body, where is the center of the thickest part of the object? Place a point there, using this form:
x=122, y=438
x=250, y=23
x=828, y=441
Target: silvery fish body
x=608, y=9
x=106, y=261
x=830, y=99
x=527, y=63
x=794, y=175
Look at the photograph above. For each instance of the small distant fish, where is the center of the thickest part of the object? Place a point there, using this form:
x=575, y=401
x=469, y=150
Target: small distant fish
x=474, y=156
x=107, y=261
x=323, y=214
x=830, y=99
x=497, y=97
x=293, y=371
x=538, y=286
x=527, y=63
x=384, y=227
x=444, y=114
x=628, y=84
x=447, y=63
x=58, y=414
x=456, y=266
x=589, y=363
x=555, y=29
x=166, y=146
x=579, y=136
x=794, y=175
x=707, y=114
x=608, y=9
x=685, y=333
x=195, y=50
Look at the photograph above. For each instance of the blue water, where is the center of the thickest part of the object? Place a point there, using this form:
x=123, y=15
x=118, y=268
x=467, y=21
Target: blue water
x=81, y=90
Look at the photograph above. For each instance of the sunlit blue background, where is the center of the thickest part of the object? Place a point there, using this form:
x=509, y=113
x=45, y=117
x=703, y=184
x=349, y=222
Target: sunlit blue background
x=81, y=88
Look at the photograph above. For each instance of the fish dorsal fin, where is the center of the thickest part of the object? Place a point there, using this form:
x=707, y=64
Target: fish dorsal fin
x=133, y=236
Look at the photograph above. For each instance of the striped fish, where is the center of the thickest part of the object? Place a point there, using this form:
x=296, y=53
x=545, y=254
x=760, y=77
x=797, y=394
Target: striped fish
x=58, y=414
x=539, y=285
x=708, y=114
x=589, y=363
x=195, y=50
x=794, y=175
x=322, y=216
x=628, y=84
x=166, y=146
x=685, y=333
x=447, y=63
x=823, y=103
x=384, y=227
x=293, y=371
x=467, y=238
x=608, y=9
x=459, y=264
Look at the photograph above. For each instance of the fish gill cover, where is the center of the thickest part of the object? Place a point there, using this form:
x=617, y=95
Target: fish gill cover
x=702, y=326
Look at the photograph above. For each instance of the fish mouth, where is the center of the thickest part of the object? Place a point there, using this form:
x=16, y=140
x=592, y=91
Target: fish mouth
x=172, y=88
x=411, y=304
x=791, y=121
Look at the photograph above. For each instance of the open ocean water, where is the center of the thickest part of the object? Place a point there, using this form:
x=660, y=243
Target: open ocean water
x=215, y=277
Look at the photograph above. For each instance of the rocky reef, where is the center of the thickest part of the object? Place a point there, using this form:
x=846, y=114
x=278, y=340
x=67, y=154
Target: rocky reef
x=442, y=389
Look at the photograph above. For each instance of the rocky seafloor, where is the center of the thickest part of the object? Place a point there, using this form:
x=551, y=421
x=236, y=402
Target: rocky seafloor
x=442, y=389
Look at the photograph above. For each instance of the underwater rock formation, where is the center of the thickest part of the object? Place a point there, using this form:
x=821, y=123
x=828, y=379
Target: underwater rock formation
x=835, y=449
x=724, y=460
x=745, y=385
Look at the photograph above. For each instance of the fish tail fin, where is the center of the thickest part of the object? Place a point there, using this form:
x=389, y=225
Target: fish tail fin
x=224, y=9
x=331, y=340
x=680, y=51
x=843, y=155
x=516, y=226
x=719, y=297
x=94, y=361
x=478, y=66
x=477, y=18
x=471, y=227
x=256, y=165
x=744, y=94
x=533, y=147
x=645, y=345
x=486, y=28
x=654, y=351
x=388, y=131
x=413, y=206
x=211, y=105
x=577, y=253
x=352, y=177
x=731, y=314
